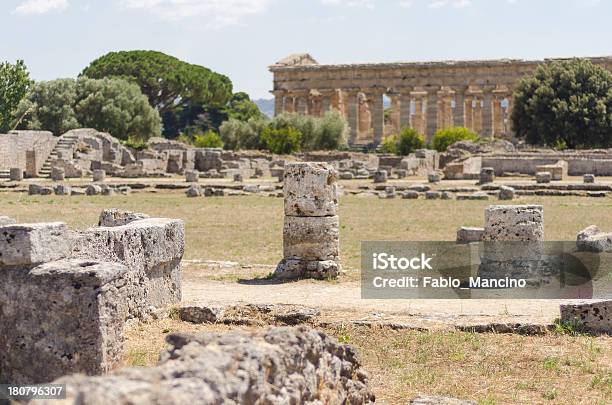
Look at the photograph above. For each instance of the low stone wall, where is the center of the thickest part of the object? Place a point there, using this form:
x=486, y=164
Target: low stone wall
x=578, y=164
x=277, y=366
x=14, y=145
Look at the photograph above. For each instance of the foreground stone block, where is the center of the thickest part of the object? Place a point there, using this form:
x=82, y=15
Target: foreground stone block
x=62, y=189
x=58, y=174
x=467, y=234
x=514, y=223
x=434, y=177
x=193, y=191
x=33, y=244
x=592, y=239
x=310, y=189
x=151, y=248
x=192, y=176
x=591, y=316
x=6, y=221
x=311, y=238
x=35, y=189
x=432, y=195
x=116, y=217
x=410, y=195
x=61, y=317
x=277, y=366
x=16, y=174
x=93, y=189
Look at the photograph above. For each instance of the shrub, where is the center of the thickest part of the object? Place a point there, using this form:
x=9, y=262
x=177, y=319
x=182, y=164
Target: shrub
x=446, y=137
x=282, y=140
x=329, y=132
x=238, y=135
x=209, y=139
x=389, y=144
x=135, y=143
x=409, y=141
x=332, y=132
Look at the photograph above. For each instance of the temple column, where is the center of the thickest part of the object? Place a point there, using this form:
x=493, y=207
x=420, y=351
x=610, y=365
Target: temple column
x=352, y=114
x=395, y=112
x=405, y=100
x=459, y=112
x=302, y=104
x=431, y=112
x=326, y=101
x=289, y=104
x=487, y=113
x=279, y=101
x=378, y=114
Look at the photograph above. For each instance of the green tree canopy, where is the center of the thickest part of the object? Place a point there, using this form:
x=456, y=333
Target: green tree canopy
x=165, y=80
x=566, y=102
x=117, y=107
x=14, y=84
x=50, y=106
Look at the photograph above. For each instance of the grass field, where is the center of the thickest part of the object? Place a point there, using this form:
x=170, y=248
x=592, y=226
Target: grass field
x=249, y=229
x=491, y=368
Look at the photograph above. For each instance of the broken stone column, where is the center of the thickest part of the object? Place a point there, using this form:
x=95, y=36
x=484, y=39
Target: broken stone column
x=311, y=230
x=506, y=193
x=99, y=175
x=16, y=174
x=58, y=174
x=276, y=366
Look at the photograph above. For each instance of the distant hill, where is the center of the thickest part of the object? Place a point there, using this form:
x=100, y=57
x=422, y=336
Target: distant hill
x=266, y=106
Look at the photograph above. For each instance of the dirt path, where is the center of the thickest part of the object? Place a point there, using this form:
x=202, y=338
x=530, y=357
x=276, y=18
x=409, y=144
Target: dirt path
x=341, y=301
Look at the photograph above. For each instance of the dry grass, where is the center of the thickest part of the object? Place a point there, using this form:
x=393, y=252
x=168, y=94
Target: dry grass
x=249, y=229
x=489, y=368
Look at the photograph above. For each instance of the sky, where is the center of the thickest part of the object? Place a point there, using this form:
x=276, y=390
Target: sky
x=241, y=38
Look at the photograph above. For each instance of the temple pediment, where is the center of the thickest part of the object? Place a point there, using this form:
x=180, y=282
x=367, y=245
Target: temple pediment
x=297, y=59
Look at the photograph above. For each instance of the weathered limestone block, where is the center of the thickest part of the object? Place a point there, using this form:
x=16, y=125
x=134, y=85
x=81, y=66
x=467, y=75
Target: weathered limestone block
x=116, y=217
x=16, y=174
x=589, y=315
x=543, y=177
x=380, y=176
x=151, y=248
x=467, y=234
x=107, y=191
x=390, y=192
x=401, y=173
x=4, y=221
x=432, y=195
x=62, y=317
x=93, y=189
x=193, y=191
x=506, y=193
x=410, y=195
x=434, y=177
x=592, y=239
x=310, y=189
x=99, y=175
x=589, y=178
x=445, y=195
x=62, y=189
x=289, y=269
x=58, y=174
x=34, y=244
x=558, y=170
x=192, y=176
x=522, y=223
x=487, y=175
x=238, y=178
x=36, y=189
x=286, y=365
x=311, y=238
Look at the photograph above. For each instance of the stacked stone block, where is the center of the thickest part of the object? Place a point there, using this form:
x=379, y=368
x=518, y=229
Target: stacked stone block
x=311, y=229
x=487, y=175
x=57, y=315
x=589, y=315
x=16, y=174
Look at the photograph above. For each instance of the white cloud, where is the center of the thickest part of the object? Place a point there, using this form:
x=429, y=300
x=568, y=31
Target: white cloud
x=349, y=3
x=216, y=13
x=453, y=3
x=40, y=6
x=405, y=3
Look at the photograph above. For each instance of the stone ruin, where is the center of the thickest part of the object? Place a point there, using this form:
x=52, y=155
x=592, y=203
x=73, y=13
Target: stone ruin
x=65, y=296
x=276, y=366
x=311, y=229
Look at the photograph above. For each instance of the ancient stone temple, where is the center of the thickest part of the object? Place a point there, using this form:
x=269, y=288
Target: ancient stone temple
x=427, y=96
